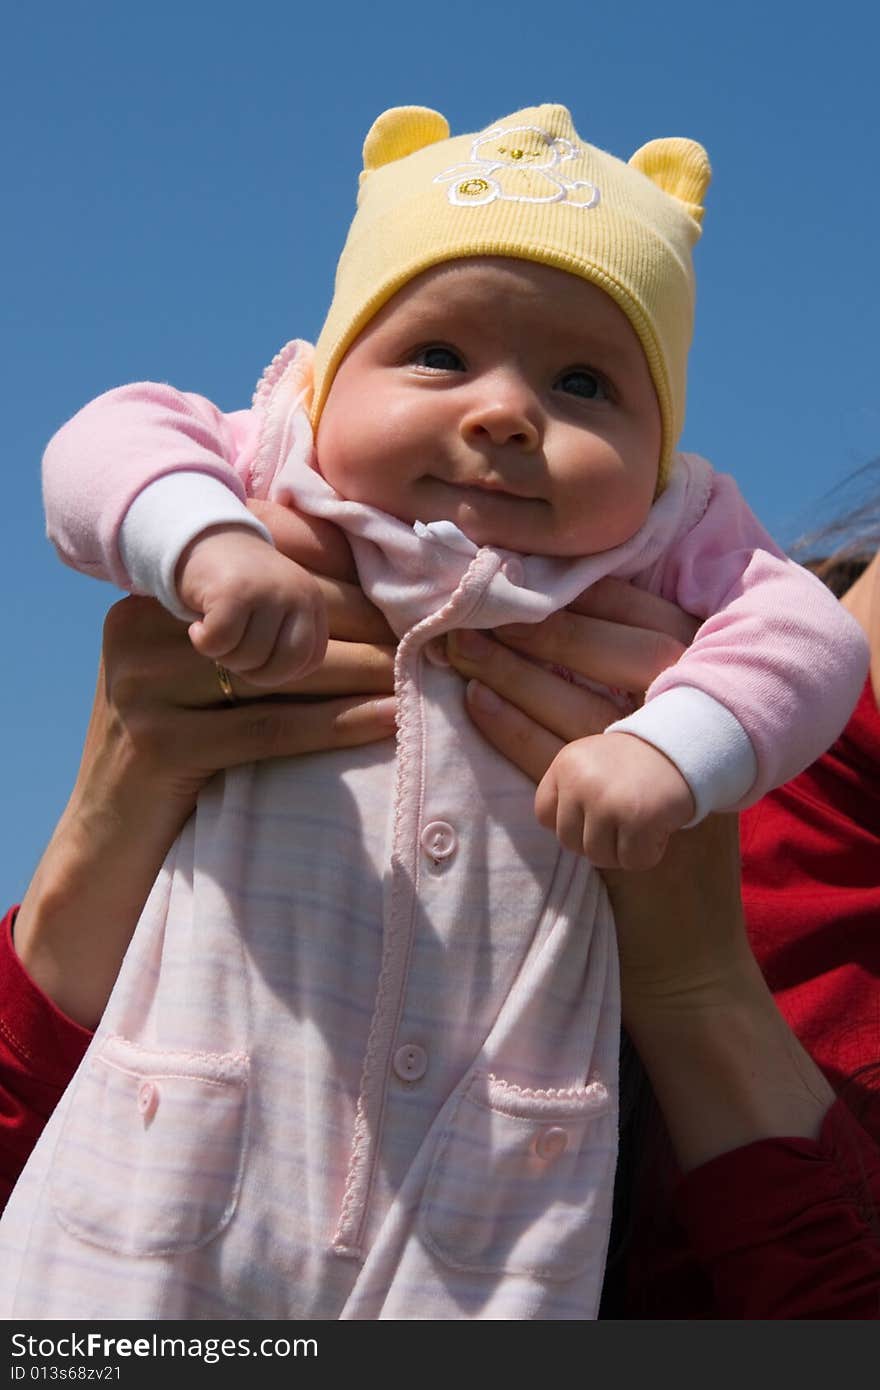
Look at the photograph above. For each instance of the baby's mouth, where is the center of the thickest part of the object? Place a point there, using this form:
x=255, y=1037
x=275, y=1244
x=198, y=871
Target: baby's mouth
x=491, y=486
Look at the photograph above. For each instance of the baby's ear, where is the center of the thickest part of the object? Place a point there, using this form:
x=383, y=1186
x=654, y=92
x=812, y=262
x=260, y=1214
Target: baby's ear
x=680, y=167
x=401, y=131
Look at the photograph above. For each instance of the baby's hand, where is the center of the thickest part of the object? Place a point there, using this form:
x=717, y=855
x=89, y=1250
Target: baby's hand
x=615, y=799
x=263, y=616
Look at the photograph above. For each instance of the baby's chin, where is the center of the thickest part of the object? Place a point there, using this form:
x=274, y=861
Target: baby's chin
x=483, y=531
x=525, y=536
x=524, y=525
x=492, y=519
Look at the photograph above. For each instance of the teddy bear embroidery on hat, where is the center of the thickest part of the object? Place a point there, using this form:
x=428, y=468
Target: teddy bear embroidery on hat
x=519, y=164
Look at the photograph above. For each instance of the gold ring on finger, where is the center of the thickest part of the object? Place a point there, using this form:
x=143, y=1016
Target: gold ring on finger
x=225, y=682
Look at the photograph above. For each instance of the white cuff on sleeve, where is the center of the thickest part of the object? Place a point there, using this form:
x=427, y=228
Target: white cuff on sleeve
x=707, y=743
x=161, y=522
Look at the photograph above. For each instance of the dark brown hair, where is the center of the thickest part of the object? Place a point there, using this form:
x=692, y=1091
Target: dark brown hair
x=840, y=549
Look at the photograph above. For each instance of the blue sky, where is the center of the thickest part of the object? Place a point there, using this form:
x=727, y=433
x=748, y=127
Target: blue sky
x=179, y=178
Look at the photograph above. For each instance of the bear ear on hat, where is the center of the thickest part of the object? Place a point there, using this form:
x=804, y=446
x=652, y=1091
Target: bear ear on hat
x=402, y=131
x=679, y=167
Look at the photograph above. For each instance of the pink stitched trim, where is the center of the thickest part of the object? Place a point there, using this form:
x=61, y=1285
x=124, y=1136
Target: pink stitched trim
x=237, y=1058
x=372, y=1094
x=578, y=1221
x=276, y=369
x=551, y=1093
x=285, y=385
x=348, y=1251
x=152, y=1074
x=410, y=749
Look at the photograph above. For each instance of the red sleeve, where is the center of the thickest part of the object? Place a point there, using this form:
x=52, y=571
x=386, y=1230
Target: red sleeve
x=40, y=1049
x=789, y=1228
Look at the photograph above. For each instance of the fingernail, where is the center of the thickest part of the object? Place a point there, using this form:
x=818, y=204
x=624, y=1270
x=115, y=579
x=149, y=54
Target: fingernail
x=386, y=709
x=484, y=698
x=469, y=643
x=435, y=651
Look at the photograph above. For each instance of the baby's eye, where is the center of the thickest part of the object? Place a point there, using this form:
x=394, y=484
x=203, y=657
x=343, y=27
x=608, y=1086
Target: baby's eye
x=580, y=381
x=438, y=359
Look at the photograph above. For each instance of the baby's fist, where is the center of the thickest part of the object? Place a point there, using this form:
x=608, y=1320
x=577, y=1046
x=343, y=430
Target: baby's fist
x=263, y=616
x=614, y=799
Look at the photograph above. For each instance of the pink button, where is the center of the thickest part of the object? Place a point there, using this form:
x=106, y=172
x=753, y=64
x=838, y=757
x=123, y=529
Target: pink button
x=147, y=1099
x=435, y=651
x=514, y=569
x=439, y=840
x=551, y=1142
x=411, y=1062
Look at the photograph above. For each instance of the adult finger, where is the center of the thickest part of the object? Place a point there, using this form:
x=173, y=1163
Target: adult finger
x=611, y=653
x=321, y=547
x=270, y=728
x=520, y=739
x=350, y=614
x=315, y=544
x=363, y=667
x=617, y=601
x=150, y=663
x=564, y=709
x=348, y=668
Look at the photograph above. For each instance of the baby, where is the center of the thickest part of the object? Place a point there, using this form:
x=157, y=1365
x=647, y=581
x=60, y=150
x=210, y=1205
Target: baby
x=514, y=401
x=360, y=1061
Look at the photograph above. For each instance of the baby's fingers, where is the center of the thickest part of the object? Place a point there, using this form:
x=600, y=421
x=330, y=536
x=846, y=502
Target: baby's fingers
x=277, y=649
x=574, y=827
x=299, y=649
x=220, y=631
x=638, y=848
x=547, y=800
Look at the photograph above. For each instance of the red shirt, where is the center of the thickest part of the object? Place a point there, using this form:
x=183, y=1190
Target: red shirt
x=40, y=1048
x=791, y=1228
x=811, y=888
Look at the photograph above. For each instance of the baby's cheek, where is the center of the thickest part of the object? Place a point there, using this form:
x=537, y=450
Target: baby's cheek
x=593, y=511
x=328, y=451
x=340, y=464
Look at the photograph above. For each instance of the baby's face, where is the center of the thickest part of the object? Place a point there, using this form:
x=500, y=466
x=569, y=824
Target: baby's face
x=508, y=397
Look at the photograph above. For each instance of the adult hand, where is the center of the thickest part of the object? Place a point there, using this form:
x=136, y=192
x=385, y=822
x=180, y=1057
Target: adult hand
x=160, y=727
x=623, y=637
x=163, y=703
x=614, y=634
x=725, y=1067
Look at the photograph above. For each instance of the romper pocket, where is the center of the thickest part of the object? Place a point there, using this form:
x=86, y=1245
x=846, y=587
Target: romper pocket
x=521, y=1182
x=150, y=1155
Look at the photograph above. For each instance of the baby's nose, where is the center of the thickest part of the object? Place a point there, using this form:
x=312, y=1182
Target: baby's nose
x=504, y=416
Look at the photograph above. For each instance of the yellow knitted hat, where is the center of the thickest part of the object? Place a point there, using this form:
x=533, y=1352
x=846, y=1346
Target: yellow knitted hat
x=527, y=187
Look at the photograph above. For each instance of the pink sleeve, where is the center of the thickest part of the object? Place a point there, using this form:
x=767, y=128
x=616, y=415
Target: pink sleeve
x=776, y=648
x=97, y=463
